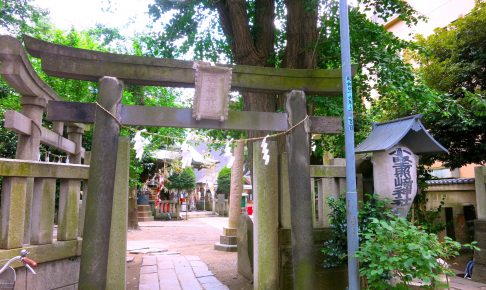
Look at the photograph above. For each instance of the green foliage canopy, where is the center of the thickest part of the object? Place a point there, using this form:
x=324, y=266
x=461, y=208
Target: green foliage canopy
x=185, y=180
x=454, y=64
x=21, y=17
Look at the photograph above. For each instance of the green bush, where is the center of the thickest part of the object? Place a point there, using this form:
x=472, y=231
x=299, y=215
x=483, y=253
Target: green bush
x=335, y=249
x=395, y=248
x=184, y=180
x=224, y=181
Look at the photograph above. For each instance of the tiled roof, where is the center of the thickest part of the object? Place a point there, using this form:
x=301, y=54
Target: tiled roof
x=450, y=181
x=408, y=131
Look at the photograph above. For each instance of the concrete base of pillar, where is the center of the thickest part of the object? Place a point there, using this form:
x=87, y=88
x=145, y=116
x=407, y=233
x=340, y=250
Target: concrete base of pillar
x=479, y=271
x=227, y=241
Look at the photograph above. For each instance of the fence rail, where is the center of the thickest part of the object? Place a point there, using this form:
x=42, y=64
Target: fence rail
x=328, y=181
x=47, y=242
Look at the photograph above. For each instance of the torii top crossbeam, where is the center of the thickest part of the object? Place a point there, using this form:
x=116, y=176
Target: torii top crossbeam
x=81, y=64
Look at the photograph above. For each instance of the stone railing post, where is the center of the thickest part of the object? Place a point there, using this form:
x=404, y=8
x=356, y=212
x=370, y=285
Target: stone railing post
x=68, y=217
x=17, y=193
x=82, y=210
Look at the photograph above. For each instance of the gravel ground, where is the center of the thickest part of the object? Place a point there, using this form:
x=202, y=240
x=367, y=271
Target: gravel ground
x=195, y=236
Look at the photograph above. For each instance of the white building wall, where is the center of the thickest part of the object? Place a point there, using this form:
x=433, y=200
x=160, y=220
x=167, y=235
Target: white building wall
x=439, y=13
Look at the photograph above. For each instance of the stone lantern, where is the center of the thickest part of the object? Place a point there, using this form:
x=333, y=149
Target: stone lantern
x=394, y=146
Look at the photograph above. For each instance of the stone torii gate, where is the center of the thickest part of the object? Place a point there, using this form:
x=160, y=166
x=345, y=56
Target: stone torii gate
x=112, y=71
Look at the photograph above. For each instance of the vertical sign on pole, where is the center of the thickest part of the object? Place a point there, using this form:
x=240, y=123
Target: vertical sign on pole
x=351, y=194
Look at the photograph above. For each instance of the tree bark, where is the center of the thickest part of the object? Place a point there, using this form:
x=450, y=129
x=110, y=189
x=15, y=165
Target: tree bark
x=250, y=46
x=301, y=34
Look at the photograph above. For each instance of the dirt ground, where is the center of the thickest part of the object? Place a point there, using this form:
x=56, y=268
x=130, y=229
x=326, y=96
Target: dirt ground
x=195, y=236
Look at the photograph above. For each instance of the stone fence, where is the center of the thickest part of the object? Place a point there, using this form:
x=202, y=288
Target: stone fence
x=29, y=186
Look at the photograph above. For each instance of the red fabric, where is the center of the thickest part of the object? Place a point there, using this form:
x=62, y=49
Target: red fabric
x=159, y=189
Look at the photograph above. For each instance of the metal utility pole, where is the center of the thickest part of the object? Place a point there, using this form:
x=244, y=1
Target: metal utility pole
x=351, y=194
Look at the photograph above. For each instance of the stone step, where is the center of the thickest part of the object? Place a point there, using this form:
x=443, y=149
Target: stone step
x=144, y=214
x=228, y=240
x=225, y=248
x=145, y=219
x=144, y=207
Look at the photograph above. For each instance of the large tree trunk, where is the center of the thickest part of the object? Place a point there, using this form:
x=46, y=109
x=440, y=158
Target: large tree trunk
x=301, y=34
x=255, y=45
x=250, y=45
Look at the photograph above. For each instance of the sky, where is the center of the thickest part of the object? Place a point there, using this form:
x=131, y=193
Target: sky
x=127, y=15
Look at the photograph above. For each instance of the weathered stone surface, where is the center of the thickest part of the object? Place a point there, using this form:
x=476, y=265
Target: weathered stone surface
x=479, y=272
x=116, y=275
x=9, y=167
x=23, y=78
x=197, y=264
x=60, y=274
x=101, y=184
x=193, y=258
x=245, y=247
x=225, y=247
x=216, y=287
x=385, y=182
x=300, y=198
x=335, y=279
x=207, y=280
x=148, y=269
x=236, y=187
x=265, y=238
x=13, y=212
x=149, y=281
x=164, y=263
x=212, y=88
x=228, y=240
x=229, y=231
x=43, y=208
x=284, y=193
x=168, y=280
x=202, y=271
x=480, y=226
x=325, y=278
x=480, y=184
x=327, y=171
x=149, y=260
x=76, y=63
x=68, y=210
x=189, y=282
x=188, y=272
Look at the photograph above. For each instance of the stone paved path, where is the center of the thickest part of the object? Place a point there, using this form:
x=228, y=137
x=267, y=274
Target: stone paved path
x=457, y=283
x=177, y=272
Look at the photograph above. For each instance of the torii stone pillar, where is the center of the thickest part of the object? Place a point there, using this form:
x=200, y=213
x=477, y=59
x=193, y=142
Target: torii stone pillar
x=101, y=184
x=228, y=241
x=236, y=186
x=265, y=217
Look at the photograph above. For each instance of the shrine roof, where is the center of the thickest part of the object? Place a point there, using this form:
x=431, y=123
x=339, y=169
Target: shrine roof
x=407, y=131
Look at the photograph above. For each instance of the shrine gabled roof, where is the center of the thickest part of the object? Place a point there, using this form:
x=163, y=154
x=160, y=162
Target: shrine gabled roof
x=407, y=131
